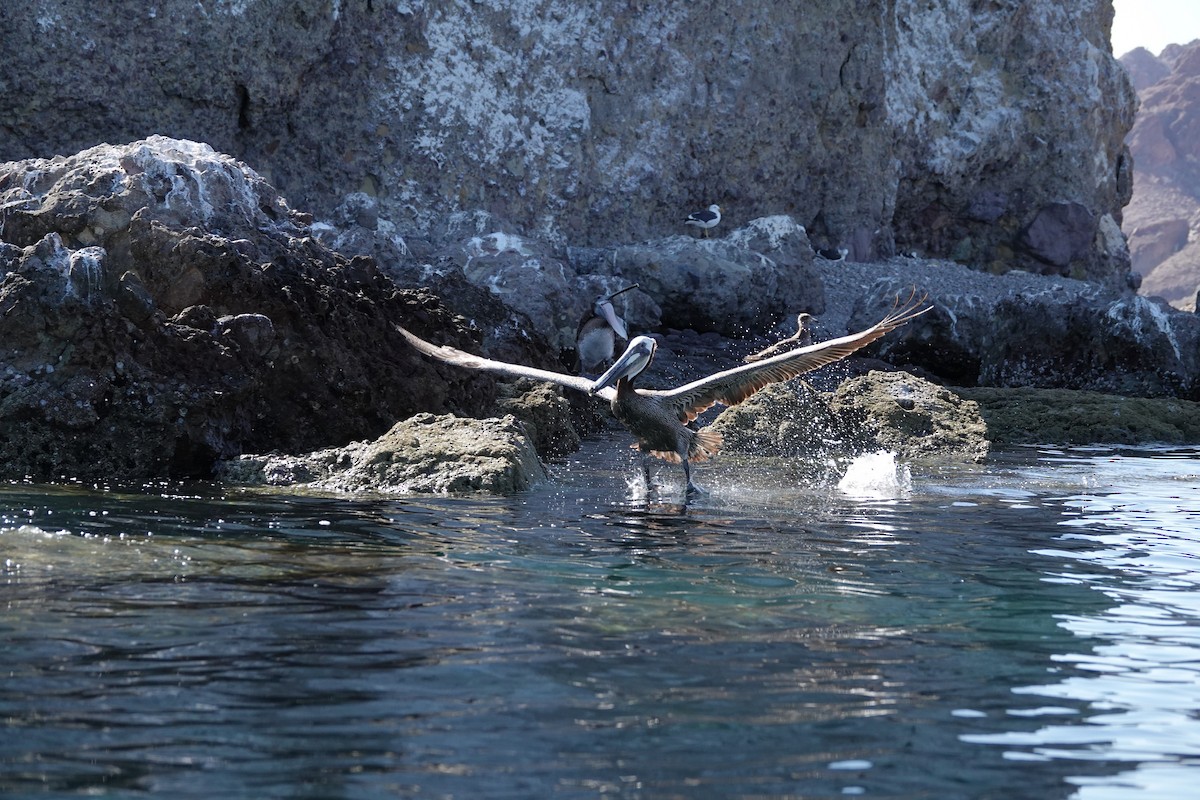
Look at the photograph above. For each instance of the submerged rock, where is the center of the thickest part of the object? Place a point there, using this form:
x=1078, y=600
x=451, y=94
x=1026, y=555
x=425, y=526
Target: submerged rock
x=423, y=454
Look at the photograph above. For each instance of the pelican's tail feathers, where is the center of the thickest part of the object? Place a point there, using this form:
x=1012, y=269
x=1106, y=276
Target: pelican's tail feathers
x=705, y=444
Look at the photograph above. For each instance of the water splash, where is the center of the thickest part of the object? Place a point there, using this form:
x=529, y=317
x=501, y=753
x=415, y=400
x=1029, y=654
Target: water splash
x=636, y=487
x=876, y=476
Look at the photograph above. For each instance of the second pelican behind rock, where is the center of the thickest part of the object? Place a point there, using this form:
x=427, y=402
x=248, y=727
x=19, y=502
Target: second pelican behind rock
x=595, y=339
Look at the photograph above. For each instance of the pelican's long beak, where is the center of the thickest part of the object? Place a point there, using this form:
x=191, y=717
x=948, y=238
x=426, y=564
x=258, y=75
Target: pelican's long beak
x=617, y=324
x=632, y=362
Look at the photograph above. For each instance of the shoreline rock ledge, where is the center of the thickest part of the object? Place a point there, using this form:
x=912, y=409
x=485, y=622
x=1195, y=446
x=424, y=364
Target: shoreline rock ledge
x=163, y=309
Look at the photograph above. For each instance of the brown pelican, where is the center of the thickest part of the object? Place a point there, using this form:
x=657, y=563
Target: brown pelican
x=658, y=417
x=595, y=339
x=801, y=337
x=708, y=218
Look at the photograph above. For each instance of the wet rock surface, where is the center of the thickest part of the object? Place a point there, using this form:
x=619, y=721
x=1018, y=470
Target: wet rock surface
x=549, y=418
x=877, y=411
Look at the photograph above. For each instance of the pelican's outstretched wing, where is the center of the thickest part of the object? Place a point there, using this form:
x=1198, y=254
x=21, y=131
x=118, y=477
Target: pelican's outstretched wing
x=732, y=386
x=460, y=358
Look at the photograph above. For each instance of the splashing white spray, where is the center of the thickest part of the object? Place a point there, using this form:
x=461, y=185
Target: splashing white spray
x=876, y=476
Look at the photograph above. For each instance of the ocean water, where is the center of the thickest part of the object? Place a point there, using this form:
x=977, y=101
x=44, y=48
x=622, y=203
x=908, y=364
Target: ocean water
x=1027, y=628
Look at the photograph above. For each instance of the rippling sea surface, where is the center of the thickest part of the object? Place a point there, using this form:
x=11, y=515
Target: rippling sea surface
x=1029, y=628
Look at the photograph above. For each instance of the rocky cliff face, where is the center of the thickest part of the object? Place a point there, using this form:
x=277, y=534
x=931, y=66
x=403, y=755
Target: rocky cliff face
x=1163, y=218
x=991, y=133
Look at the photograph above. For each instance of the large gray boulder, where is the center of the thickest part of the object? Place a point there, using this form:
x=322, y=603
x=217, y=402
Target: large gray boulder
x=977, y=131
x=733, y=285
x=1049, y=334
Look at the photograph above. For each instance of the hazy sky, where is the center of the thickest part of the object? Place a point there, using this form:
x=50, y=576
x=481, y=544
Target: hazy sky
x=1154, y=24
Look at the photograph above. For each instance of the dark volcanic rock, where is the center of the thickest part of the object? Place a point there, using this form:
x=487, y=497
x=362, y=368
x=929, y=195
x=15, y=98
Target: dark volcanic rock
x=161, y=307
x=1060, y=234
x=1010, y=331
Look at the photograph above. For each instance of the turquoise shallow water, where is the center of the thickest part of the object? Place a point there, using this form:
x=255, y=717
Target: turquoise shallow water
x=1027, y=628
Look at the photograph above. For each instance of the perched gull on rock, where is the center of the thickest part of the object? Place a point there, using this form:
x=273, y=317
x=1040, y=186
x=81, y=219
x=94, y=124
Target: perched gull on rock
x=705, y=219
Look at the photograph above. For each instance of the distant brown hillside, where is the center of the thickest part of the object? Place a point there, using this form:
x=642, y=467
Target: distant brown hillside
x=1163, y=218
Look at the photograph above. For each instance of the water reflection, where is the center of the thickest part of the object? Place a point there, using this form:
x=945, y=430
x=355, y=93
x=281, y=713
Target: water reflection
x=1029, y=624
x=1137, y=533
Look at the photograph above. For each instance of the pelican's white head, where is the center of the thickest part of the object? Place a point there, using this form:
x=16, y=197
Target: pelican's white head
x=633, y=362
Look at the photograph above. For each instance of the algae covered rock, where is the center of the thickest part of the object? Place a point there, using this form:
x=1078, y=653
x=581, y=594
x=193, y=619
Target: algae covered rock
x=911, y=416
x=1059, y=416
x=544, y=412
x=878, y=411
x=782, y=419
x=423, y=454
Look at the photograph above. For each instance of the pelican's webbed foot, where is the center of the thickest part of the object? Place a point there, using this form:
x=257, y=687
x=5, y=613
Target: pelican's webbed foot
x=692, y=489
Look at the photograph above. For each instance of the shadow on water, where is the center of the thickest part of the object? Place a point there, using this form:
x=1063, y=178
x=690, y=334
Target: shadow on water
x=965, y=632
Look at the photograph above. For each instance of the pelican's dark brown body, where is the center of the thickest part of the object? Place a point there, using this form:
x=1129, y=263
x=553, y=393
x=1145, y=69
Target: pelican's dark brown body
x=660, y=432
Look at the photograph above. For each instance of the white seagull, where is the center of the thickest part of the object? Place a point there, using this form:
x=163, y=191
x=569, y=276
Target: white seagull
x=705, y=219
